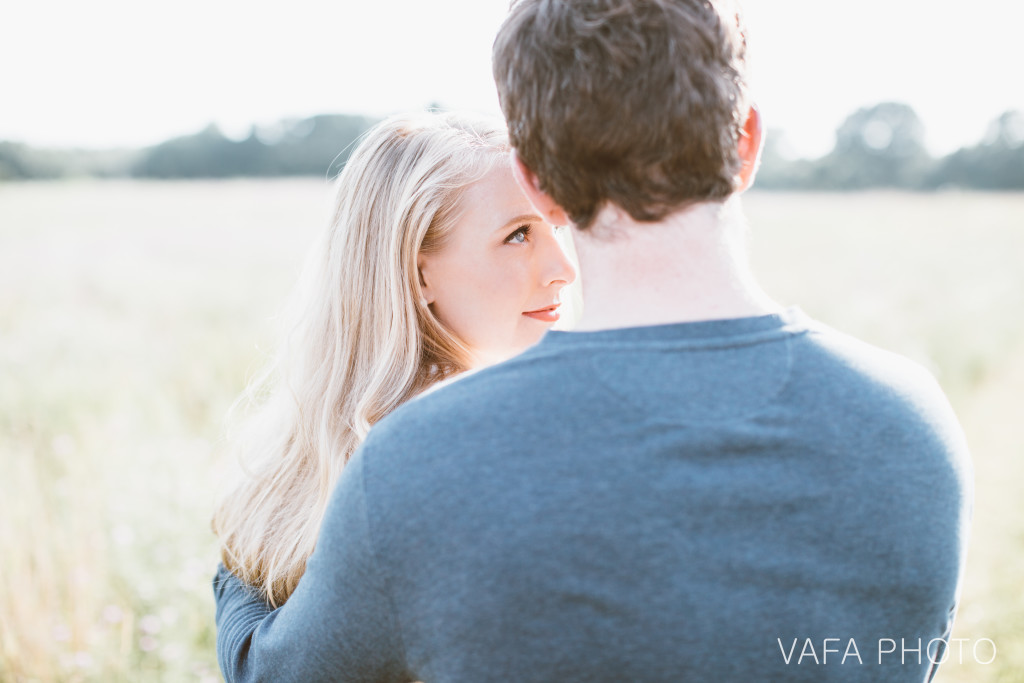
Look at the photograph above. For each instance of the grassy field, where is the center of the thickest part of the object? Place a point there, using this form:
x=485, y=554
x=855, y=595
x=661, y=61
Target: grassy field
x=132, y=313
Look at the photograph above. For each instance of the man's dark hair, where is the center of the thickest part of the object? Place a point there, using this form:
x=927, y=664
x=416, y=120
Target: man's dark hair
x=635, y=102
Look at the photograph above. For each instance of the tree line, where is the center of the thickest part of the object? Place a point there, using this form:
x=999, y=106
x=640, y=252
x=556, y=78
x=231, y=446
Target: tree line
x=880, y=146
x=317, y=145
x=883, y=147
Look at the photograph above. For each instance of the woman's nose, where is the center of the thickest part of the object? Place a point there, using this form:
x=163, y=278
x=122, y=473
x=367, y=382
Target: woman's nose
x=556, y=266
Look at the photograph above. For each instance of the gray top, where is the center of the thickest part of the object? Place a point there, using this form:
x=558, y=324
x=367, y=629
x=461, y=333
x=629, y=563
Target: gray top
x=701, y=501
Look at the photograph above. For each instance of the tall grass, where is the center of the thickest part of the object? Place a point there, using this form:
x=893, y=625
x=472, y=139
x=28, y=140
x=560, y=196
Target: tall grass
x=129, y=318
x=132, y=313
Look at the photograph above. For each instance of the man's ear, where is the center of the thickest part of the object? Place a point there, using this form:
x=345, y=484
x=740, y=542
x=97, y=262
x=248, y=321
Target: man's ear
x=749, y=147
x=548, y=209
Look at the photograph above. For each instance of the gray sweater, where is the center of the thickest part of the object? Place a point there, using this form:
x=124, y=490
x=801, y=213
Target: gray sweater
x=702, y=501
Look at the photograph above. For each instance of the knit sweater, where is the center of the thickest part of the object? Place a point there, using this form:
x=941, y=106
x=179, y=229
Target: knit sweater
x=732, y=500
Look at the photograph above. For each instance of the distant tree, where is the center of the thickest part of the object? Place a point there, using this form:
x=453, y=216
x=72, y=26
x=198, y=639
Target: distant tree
x=207, y=154
x=21, y=162
x=995, y=164
x=319, y=145
x=879, y=146
x=12, y=166
x=313, y=146
x=780, y=169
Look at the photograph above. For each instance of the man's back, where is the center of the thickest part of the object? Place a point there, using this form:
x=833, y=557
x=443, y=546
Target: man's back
x=749, y=499
x=700, y=501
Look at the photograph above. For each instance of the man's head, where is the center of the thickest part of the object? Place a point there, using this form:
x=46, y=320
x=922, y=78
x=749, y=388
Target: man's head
x=640, y=103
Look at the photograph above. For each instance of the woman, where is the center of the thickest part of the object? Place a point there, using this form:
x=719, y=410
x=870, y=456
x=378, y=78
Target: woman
x=434, y=263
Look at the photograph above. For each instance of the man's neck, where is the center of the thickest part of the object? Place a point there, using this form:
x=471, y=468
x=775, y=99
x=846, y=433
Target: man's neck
x=688, y=267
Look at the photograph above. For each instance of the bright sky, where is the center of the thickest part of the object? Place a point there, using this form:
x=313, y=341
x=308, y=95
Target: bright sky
x=125, y=73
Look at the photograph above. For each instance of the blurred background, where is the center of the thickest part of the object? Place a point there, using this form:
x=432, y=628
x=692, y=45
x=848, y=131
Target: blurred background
x=163, y=171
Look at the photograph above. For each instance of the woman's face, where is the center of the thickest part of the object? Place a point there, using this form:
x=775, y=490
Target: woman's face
x=496, y=280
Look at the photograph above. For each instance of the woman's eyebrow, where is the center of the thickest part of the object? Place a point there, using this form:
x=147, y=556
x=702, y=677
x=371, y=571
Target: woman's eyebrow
x=523, y=218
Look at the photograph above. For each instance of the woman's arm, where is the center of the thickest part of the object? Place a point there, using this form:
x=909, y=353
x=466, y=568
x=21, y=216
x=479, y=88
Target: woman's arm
x=240, y=610
x=338, y=625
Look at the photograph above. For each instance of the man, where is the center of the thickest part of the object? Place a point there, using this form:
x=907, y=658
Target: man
x=696, y=484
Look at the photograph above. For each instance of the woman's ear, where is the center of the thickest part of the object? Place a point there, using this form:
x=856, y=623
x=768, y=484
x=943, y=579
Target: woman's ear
x=422, y=269
x=749, y=148
x=528, y=181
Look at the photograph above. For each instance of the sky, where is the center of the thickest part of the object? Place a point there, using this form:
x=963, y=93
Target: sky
x=121, y=73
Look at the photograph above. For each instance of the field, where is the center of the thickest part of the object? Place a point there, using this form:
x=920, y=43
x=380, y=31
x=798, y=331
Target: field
x=131, y=315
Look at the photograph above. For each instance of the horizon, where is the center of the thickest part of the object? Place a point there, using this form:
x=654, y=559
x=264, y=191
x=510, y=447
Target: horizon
x=244, y=131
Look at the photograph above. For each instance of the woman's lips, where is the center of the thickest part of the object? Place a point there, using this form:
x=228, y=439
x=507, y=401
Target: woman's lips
x=548, y=314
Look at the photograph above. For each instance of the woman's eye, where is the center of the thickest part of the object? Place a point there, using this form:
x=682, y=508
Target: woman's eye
x=519, y=236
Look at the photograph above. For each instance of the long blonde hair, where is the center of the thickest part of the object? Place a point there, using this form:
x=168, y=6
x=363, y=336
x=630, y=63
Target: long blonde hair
x=361, y=340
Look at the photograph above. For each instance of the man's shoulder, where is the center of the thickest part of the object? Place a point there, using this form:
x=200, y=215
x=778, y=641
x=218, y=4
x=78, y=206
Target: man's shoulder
x=842, y=357
x=465, y=404
x=858, y=378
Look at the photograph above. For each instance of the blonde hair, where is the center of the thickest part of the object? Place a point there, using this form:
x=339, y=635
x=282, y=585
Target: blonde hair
x=361, y=340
